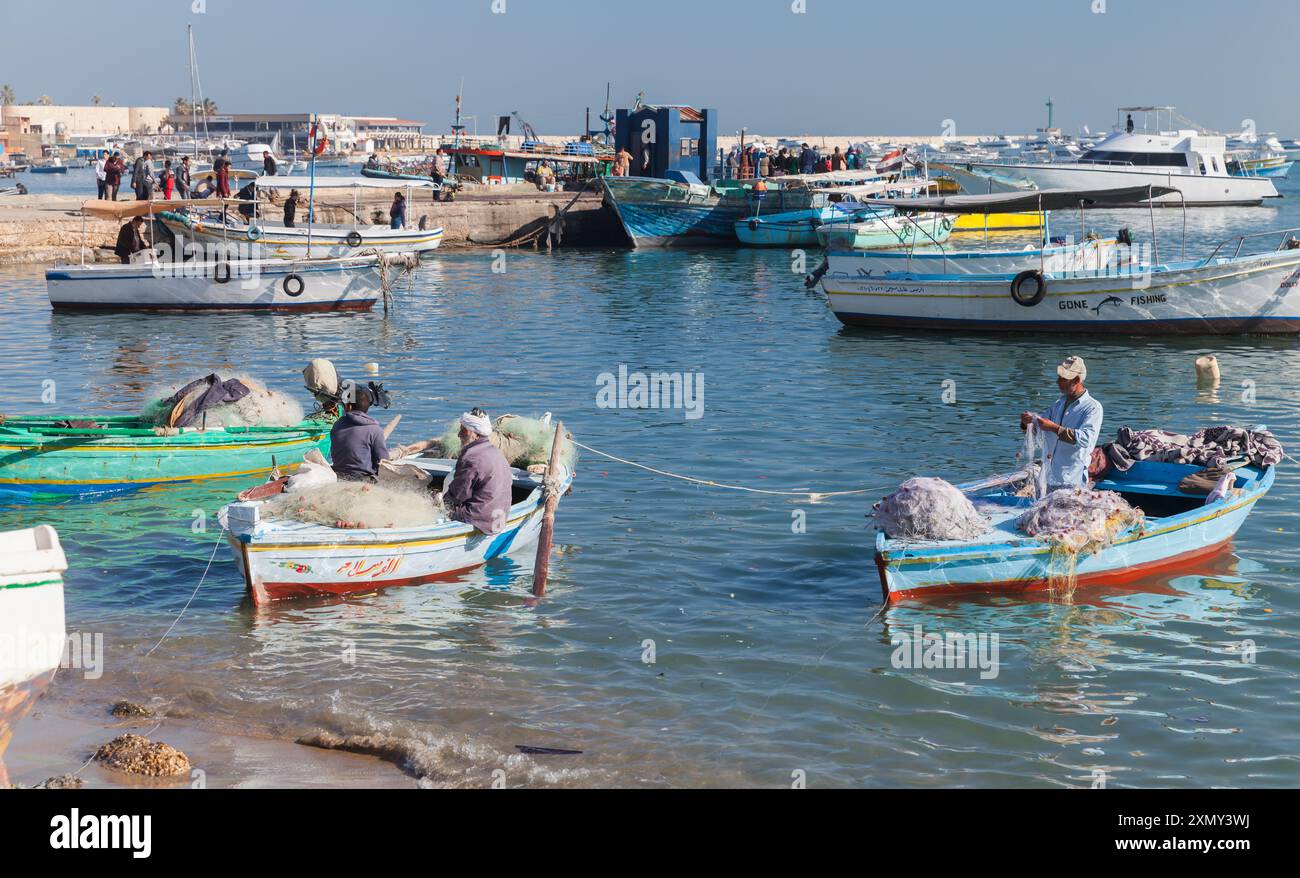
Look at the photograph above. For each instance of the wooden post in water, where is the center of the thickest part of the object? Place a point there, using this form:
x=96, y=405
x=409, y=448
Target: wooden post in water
x=542, y=566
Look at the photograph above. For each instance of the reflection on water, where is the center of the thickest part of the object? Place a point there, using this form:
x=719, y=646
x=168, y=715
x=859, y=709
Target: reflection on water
x=691, y=635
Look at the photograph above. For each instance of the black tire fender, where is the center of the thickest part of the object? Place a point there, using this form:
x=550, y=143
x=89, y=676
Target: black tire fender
x=218, y=275
x=1018, y=283
x=293, y=285
x=353, y=238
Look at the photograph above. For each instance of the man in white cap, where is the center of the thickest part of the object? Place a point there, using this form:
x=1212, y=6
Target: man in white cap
x=1070, y=428
x=479, y=490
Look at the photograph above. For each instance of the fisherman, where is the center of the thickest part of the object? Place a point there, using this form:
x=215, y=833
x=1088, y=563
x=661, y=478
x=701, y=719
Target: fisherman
x=479, y=490
x=129, y=240
x=372, y=163
x=1069, y=428
x=397, y=213
x=206, y=188
x=545, y=176
x=183, y=178
x=357, y=442
x=268, y=163
x=290, y=208
x=248, y=194
x=100, y=178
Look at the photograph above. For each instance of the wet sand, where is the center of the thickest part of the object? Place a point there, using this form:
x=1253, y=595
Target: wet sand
x=56, y=740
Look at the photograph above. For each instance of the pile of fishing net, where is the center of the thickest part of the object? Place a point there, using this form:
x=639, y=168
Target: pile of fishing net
x=928, y=509
x=1079, y=520
x=356, y=505
x=524, y=441
x=239, y=401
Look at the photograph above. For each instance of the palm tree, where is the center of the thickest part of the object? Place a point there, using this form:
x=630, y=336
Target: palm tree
x=96, y=100
x=182, y=107
x=208, y=107
x=7, y=96
x=44, y=100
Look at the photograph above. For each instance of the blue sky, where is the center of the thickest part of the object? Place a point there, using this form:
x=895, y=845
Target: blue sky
x=841, y=67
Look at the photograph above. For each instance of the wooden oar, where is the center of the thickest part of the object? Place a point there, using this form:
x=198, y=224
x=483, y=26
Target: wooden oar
x=542, y=566
x=392, y=425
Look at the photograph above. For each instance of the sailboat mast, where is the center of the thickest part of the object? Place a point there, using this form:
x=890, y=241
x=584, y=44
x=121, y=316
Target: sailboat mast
x=194, y=109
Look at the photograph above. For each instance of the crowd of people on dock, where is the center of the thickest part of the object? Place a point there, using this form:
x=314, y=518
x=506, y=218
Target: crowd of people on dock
x=172, y=180
x=755, y=161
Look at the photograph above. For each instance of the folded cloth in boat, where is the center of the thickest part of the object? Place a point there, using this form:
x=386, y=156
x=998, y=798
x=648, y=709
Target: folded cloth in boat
x=312, y=472
x=1203, y=481
x=198, y=396
x=928, y=509
x=1208, y=447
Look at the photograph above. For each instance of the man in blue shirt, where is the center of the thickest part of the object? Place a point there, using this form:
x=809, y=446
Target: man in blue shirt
x=1070, y=428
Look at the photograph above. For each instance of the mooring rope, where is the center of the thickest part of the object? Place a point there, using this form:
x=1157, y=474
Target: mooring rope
x=813, y=496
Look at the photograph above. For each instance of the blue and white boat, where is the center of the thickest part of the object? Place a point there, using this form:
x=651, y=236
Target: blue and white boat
x=1179, y=530
x=835, y=203
x=680, y=210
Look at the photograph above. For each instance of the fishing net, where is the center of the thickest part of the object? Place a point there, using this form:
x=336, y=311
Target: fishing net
x=261, y=407
x=928, y=509
x=524, y=441
x=1076, y=522
x=1027, y=457
x=356, y=505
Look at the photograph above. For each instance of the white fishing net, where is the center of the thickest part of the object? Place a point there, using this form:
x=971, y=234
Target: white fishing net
x=1076, y=522
x=262, y=407
x=524, y=441
x=356, y=505
x=928, y=509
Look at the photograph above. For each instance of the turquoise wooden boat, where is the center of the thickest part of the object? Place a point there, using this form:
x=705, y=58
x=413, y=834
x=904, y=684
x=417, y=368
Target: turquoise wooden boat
x=39, y=459
x=1180, y=529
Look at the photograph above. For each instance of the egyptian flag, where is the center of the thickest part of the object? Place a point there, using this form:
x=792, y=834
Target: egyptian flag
x=322, y=144
x=892, y=163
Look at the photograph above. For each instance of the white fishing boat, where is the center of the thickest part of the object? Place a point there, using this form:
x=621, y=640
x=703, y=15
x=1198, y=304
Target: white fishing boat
x=1090, y=255
x=1185, y=160
x=276, y=240
x=292, y=559
x=31, y=623
x=1224, y=292
x=214, y=278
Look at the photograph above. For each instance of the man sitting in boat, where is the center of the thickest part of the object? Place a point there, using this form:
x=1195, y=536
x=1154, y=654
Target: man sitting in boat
x=129, y=240
x=357, y=441
x=479, y=490
x=1070, y=428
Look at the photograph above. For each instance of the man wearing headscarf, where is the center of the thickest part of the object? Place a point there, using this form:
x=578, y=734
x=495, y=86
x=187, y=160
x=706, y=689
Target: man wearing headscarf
x=479, y=490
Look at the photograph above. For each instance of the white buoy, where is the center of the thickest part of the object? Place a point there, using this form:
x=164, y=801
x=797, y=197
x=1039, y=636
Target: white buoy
x=1207, y=371
x=371, y=368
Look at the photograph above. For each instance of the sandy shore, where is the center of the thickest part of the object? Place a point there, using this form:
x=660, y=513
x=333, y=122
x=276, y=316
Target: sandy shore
x=57, y=739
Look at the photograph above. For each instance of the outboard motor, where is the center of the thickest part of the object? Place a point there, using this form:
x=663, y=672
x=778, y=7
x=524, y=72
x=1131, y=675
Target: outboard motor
x=322, y=381
x=1125, y=237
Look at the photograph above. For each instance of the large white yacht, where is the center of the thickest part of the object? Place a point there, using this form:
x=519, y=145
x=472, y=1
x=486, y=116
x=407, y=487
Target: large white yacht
x=1139, y=153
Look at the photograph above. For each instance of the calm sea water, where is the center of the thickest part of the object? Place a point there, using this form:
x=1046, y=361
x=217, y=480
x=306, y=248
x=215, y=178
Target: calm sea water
x=768, y=655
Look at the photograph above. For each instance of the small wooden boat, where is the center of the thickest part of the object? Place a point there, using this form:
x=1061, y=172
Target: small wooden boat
x=884, y=232
x=275, y=240
x=293, y=559
x=39, y=459
x=31, y=623
x=1179, y=530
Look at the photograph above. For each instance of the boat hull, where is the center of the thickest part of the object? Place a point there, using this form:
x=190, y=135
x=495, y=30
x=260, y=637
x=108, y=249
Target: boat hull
x=275, y=241
x=666, y=213
x=31, y=623
x=252, y=285
x=36, y=467
x=1026, y=565
x=1248, y=295
x=288, y=560
x=886, y=234
x=1196, y=190
x=1085, y=256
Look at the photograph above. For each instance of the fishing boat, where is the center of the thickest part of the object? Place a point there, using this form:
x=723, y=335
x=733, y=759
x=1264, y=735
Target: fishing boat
x=1224, y=292
x=54, y=165
x=1090, y=255
x=1179, y=530
x=31, y=623
x=291, y=559
x=877, y=230
x=41, y=457
x=276, y=240
x=834, y=199
x=1184, y=160
x=217, y=279
x=680, y=210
